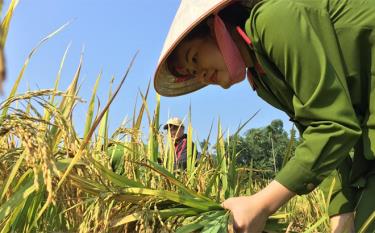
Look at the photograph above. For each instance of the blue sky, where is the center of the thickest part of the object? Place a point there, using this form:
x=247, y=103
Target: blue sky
x=111, y=32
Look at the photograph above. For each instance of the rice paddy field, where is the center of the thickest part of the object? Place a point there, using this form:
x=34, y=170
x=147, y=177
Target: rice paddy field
x=53, y=179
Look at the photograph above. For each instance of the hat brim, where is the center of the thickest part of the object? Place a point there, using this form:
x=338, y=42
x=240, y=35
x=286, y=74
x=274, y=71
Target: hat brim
x=166, y=126
x=188, y=16
x=167, y=84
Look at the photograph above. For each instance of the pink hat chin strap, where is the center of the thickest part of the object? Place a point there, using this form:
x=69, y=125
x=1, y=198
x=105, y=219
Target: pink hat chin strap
x=231, y=54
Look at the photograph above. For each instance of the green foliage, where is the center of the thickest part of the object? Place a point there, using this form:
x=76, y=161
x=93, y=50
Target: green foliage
x=264, y=147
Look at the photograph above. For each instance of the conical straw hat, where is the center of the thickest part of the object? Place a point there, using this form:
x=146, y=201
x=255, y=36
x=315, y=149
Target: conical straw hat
x=189, y=14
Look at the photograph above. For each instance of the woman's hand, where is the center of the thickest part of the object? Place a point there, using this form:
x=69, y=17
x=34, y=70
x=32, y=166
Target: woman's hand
x=250, y=213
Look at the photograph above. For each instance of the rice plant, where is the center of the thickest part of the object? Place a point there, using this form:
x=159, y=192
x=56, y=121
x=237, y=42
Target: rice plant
x=54, y=179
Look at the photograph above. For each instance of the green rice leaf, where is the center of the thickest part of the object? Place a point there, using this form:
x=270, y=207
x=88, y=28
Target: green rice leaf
x=222, y=162
x=12, y=175
x=18, y=80
x=315, y=226
x=58, y=77
x=171, y=178
x=102, y=140
x=85, y=142
x=152, y=147
x=90, y=112
x=366, y=225
x=11, y=221
x=199, y=204
x=162, y=213
x=121, y=181
x=17, y=199
x=137, y=123
x=206, y=221
x=6, y=22
x=218, y=225
x=190, y=151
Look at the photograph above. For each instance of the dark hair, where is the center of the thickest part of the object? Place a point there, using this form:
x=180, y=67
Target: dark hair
x=235, y=14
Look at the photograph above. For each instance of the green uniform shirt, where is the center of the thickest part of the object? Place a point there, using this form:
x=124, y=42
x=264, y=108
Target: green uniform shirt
x=319, y=59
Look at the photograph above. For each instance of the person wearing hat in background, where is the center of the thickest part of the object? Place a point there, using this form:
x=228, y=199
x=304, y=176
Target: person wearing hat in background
x=312, y=59
x=177, y=130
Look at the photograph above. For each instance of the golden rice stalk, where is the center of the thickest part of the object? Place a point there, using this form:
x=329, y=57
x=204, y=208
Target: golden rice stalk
x=37, y=151
x=33, y=133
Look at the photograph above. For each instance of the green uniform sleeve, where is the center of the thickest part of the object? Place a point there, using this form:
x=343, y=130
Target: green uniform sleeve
x=300, y=40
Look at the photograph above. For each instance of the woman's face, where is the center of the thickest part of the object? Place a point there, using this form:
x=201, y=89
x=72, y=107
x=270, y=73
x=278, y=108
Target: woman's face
x=202, y=58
